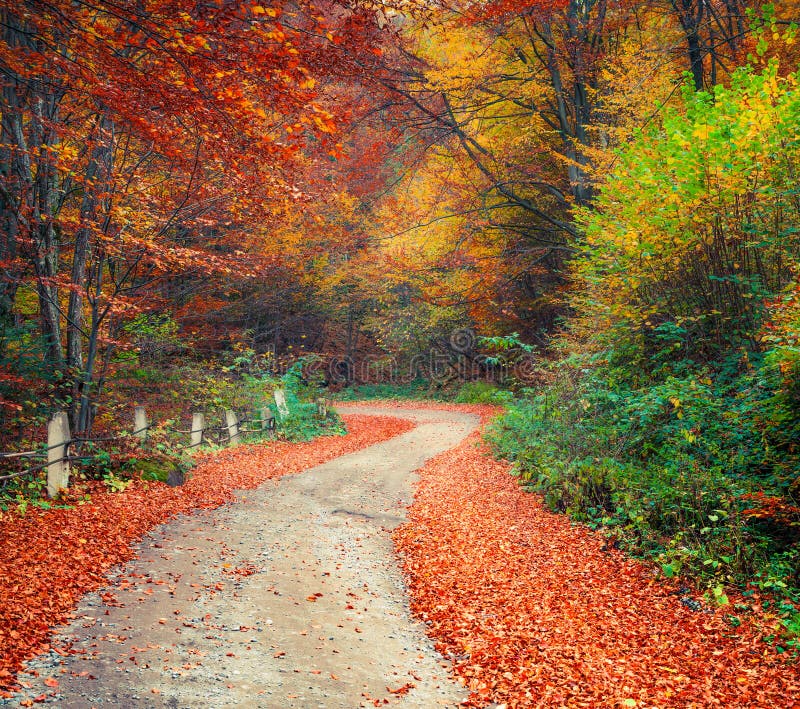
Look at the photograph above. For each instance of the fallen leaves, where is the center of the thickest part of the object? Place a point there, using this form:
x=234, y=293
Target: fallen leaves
x=402, y=690
x=49, y=559
x=533, y=613
x=485, y=411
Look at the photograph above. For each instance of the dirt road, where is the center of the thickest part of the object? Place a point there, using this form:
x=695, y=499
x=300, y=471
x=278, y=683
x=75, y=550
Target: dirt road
x=290, y=597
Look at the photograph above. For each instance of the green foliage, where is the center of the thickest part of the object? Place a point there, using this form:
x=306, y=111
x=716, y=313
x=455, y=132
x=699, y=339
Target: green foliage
x=780, y=409
x=477, y=392
x=19, y=492
x=115, y=483
x=697, y=225
x=667, y=466
x=30, y=391
x=505, y=350
x=22, y=504
x=679, y=428
x=483, y=393
x=415, y=389
x=152, y=467
x=154, y=335
x=304, y=422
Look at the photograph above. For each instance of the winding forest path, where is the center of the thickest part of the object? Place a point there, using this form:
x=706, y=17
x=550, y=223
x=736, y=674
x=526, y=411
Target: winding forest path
x=289, y=597
x=292, y=596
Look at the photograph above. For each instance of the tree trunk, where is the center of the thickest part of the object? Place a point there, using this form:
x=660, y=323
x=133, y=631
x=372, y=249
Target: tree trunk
x=96, y=183
x=30, y=110
x=46, y=241
x=690, y=15
x=84, y=419
x=9, y=233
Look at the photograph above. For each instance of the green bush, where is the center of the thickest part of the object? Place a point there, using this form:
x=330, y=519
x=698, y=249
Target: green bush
x=416, y=389
x=483, y=393
x=157, y=467
x=669, y=466
x=304, y=422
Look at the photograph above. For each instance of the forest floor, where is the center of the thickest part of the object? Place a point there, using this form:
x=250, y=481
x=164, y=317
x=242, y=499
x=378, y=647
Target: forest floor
x=292, y=594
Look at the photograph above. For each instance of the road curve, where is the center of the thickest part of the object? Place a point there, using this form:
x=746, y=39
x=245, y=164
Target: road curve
x=289, y=597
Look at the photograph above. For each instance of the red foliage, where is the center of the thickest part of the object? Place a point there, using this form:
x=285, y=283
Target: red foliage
x=499, y=9
x=533, y=612
x=775, y=509
x=49, y=559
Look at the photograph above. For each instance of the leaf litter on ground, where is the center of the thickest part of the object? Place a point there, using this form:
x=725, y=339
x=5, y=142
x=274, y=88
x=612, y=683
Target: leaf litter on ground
x=535, y=611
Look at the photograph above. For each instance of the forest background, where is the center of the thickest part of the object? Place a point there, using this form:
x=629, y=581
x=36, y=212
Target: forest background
x=585, y=211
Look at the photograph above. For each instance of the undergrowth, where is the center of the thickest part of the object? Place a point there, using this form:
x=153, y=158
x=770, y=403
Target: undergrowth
x=170, y=395
x=416, y=389
x=693, y=470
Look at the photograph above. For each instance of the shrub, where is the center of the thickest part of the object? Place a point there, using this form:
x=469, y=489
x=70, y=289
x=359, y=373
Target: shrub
x=415, y=389
x=304, y=421
x=674, y=468
x=483, y=393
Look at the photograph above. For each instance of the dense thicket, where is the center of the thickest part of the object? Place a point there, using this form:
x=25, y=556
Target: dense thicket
x=674, y=417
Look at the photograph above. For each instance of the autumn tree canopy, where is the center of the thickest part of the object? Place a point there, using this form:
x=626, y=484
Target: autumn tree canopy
x=357, y=180
x=151, y=151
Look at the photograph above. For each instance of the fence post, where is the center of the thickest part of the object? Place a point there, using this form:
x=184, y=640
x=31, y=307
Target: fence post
x=198, y=429
x=280, y=402
x=267, y=422
x=140, y=422
x=232, y=423
x=58, y=437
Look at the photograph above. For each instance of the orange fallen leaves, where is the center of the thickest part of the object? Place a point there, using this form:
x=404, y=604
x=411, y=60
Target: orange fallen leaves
x=402, y=690
x=49, y=559
x=485, y=411
x=533, y=613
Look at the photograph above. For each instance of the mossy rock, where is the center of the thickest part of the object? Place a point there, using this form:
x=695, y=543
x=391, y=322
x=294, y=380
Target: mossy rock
x=171, y=472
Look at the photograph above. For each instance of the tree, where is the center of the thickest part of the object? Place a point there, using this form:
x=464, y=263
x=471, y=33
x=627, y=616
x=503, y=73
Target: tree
x=692, y=235
x=138, y=139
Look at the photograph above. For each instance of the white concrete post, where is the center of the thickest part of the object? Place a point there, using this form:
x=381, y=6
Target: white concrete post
x=322, y=407
x=58, y=437
x=198, y=428
x=280, y=402
x=140, y=423
x=232, y=423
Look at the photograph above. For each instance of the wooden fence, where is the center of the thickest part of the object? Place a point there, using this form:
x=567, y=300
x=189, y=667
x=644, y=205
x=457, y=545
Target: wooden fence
x=60, y=440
